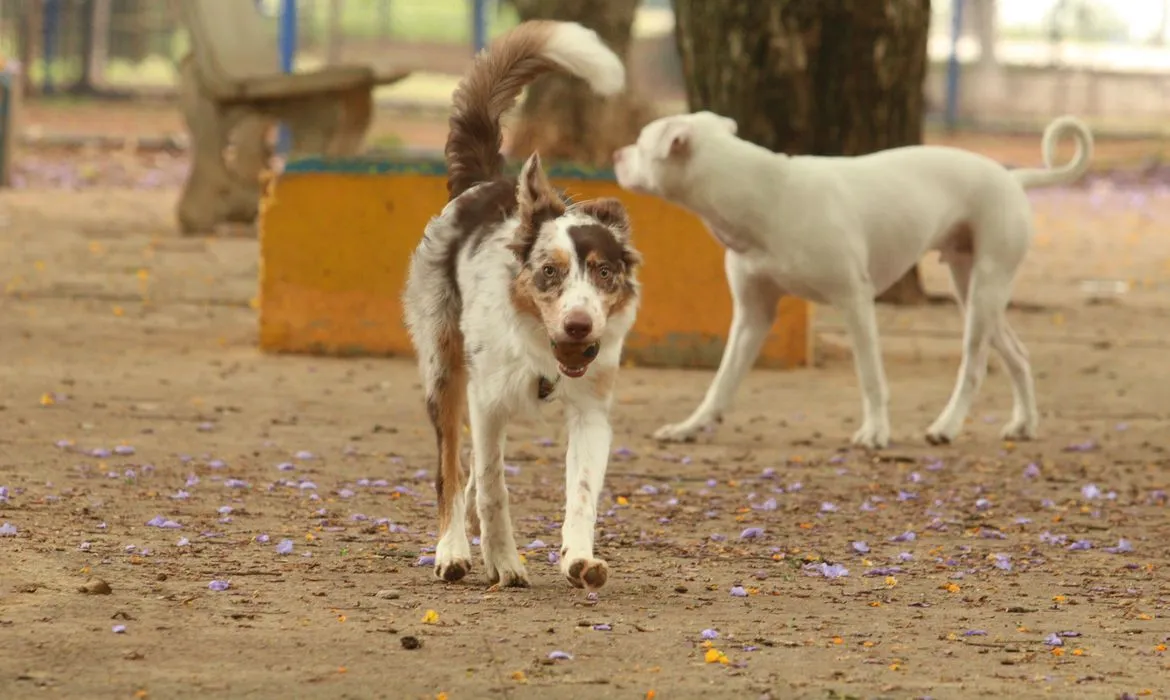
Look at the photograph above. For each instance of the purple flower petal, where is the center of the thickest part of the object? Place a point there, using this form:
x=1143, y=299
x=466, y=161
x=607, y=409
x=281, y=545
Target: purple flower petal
x=1080, y=545
x=827, y=570
x=1090, y=492
x=709, y=634
x=183, y=542
x=303, y=454
x=286, y=466
x=425, y=560
x=118, y=629
x=286, y=547
x=1003, y=562
x=827, y=507
x=1123, y=547
x=1032, y=471
x=738, y=592
x=907, y=536
x=219, y=585
x=1054, y=640
x=603, y=627
x=535, y=544
x=975, y=633
x=560, y=656
x=751, y=533
x=1086, y=446
x=860, y=547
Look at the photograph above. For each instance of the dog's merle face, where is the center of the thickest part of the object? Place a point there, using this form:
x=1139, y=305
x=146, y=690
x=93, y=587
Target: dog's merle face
x=577, y=267
x=655, y=162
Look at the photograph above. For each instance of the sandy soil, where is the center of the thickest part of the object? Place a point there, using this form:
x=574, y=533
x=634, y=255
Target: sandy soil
x=131, y=394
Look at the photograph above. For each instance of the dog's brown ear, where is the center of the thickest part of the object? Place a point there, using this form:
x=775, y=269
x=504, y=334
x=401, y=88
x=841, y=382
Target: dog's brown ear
x=609, y=212
x=538, y=202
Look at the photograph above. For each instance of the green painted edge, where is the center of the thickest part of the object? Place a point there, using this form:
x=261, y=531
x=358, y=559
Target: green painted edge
x=383, y=165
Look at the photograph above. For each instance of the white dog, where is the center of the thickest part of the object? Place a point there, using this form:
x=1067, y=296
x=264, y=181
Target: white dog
x=515, y=298
x=840, y=231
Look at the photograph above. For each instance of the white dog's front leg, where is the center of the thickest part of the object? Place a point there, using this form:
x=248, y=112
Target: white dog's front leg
x=497, y=541
x=590, y=437
x=754, y=309
x=861, y=321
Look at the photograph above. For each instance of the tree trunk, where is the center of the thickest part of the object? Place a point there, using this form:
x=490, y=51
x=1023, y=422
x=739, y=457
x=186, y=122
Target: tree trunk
x=561, y=117
x=819, y=77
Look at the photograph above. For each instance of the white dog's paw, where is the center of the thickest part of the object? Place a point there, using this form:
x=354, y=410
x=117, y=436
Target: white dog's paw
x=506, y=570
x=682, y=432
x=452, y=560
x=942, y=432
x=872, y=435
x=586, y=573
x=1019, y=429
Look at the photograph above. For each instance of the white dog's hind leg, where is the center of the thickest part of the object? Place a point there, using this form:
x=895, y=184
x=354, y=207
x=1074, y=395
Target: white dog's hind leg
x=1025, y=417
x=491, y=495
x=590, y=436
x=860, y=316
x=754, y=302
x=1014, y=355
x=987, y=299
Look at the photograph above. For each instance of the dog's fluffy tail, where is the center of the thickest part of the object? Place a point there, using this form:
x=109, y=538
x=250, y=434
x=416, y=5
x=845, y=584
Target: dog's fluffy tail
x=1071, y=172
x=499, y=74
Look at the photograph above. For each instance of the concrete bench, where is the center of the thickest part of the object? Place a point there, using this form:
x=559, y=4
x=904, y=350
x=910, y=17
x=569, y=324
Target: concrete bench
x=336, y=236
x=231, y=91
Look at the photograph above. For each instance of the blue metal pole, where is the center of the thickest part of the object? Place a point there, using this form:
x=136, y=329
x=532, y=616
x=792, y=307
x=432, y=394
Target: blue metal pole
x=953, y=64
x=288, y=52
x=479, y=24
x=49, y=42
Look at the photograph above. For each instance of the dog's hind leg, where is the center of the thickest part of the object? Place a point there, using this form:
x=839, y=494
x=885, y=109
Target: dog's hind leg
x=446, y=402
x=860, y=316
x=498, y=543
x=983, y=270
x=987, y=298
x=754, y=301
x=1012, y=353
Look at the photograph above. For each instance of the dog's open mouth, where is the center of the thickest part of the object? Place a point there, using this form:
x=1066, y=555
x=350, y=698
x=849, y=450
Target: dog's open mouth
x=573, y=359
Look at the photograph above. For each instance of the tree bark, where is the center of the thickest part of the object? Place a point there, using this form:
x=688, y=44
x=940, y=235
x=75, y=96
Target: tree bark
x=561, y=118
x=818, y=77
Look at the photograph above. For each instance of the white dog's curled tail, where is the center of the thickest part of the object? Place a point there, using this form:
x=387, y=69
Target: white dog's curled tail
x=1071, y=172
x=495, y=80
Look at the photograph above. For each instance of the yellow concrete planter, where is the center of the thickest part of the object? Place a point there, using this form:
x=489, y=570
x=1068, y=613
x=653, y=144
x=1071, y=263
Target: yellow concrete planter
x=336, y=236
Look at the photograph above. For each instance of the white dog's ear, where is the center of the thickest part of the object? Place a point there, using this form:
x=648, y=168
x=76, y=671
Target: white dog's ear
x=731, y=125
x=675, y=141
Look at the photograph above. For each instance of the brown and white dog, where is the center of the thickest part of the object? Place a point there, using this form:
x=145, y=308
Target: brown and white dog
x=513, y=298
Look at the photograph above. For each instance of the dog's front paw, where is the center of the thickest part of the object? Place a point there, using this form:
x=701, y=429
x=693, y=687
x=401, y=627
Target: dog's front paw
x=452, y=560
x=872, y=436
x=589, y=574
x=508, y=572
x=681, y=432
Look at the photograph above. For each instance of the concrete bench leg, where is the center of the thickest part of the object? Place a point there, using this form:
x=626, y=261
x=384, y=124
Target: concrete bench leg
x=252, y=153
x=201, y=205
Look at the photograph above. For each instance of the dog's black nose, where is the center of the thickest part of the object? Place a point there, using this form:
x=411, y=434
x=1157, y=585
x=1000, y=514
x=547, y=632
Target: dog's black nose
x=578, y=326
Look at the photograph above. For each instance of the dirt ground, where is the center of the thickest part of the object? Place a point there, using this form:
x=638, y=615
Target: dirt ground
x=145, y=443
